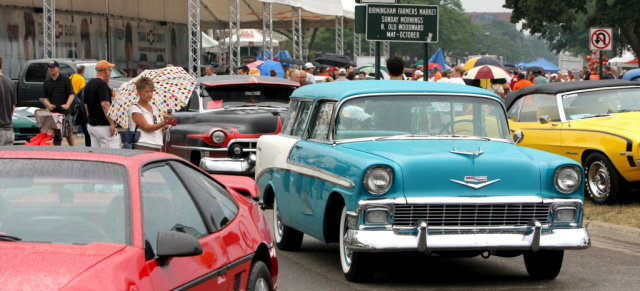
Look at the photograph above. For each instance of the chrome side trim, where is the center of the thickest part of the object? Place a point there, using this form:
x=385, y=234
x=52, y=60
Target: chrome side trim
x=338, y=180
x=200, y=148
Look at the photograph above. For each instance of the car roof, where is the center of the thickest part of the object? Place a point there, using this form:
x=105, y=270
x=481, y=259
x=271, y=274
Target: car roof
x=344, y=89
x=119, y=156
x=212, y=81
x=562, y=87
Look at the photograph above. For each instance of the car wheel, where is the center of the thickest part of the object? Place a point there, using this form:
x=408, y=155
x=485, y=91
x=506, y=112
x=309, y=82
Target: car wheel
x=544, y=264
x=356, y=266
x=602, y=179
x=287, y=238
x=259, y=278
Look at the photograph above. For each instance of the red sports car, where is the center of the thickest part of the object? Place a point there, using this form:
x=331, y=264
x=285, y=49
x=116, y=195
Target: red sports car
x=98, y=219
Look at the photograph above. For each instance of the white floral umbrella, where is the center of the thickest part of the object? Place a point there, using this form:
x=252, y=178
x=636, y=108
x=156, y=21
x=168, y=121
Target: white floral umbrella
x=173, y=88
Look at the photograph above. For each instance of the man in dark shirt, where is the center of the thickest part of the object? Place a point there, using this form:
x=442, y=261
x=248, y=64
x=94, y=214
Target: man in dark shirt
x=97, y=100
x=7, y=106
x=608, y=73
x=58, y=97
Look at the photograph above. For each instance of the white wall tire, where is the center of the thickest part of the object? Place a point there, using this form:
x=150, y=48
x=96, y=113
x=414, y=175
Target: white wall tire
x=356, y=267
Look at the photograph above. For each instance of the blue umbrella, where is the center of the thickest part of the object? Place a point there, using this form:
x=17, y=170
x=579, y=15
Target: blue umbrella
x=261, y=55
x=268, y=65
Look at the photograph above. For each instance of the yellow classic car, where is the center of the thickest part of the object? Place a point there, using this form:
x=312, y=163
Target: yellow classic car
x=596, y=123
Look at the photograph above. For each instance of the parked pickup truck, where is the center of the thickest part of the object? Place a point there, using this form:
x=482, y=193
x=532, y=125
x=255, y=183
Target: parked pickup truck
x=30, y=85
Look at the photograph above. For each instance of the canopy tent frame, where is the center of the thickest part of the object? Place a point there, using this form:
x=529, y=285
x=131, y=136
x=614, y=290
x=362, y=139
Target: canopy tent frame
x=195, y=23
x=267, y=25
x=339, y=35
x=48, y=26
x=194, y=37
x=357, y=44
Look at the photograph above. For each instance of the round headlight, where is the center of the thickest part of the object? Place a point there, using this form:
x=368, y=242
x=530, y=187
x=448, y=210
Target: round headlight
x=218, y=136
x=568, y=178
x=378, y=179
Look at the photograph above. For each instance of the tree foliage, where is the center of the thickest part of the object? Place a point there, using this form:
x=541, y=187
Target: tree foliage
x=565, y=24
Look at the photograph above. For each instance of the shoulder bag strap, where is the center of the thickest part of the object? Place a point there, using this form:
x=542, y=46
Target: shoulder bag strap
x=140, y=112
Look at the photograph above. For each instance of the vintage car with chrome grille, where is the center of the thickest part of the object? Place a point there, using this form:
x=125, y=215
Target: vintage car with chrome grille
x=391, y=166
x=220, y=127
x=594, y=123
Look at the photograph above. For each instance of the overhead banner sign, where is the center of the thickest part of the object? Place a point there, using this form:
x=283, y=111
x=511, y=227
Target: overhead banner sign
x=407, y=23
x=601, y=39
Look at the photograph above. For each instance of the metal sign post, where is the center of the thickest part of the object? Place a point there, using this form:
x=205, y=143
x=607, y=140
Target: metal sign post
x=600, y=39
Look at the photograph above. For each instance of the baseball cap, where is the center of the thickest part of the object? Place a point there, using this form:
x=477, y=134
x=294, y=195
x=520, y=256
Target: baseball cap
x=343, y=72
x=418, y=72
x=254, y=71
x=53, y=64
x=101, y=65
x=309, y=66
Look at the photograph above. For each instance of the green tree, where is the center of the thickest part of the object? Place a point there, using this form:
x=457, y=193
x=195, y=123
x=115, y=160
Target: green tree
x=565, y=24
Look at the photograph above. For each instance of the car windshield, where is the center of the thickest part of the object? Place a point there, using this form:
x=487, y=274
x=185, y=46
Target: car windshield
x=246, y=95
x=90, y=71
x=601, y=102
x=64, y=201
x=421, y=116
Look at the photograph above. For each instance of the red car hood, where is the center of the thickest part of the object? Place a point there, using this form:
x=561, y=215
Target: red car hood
x=39, y=266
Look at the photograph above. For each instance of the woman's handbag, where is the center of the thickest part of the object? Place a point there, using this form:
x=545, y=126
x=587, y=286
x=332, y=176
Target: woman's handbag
x=129, y=138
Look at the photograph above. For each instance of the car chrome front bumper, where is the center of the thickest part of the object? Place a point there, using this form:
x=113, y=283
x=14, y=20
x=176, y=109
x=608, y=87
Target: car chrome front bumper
x=426, y=240
x=229, y=165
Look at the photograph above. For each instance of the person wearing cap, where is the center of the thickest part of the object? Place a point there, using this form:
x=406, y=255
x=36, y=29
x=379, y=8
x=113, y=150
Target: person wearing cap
x=97, y=101
x=58, y=97
x=254, y=72
x=342, y=75
x=607, y=73
x=418, y=75
x=309, y=68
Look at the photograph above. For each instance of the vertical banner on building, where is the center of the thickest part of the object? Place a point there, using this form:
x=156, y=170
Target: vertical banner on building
x=141, y=46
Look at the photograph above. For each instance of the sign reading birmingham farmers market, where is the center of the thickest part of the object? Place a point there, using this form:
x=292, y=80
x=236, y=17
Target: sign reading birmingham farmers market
x=410, y=23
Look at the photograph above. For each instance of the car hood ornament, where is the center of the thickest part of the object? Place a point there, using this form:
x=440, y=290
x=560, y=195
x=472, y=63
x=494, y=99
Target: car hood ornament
x=473, y=155
x=475, y=182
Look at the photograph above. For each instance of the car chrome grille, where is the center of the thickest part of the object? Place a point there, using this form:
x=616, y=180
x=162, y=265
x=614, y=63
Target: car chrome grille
x=469, y=215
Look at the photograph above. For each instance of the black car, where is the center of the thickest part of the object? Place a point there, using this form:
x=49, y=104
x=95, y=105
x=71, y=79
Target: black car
x=226, y=115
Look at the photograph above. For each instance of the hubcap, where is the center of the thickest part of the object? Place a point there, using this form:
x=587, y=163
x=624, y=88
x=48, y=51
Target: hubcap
x=279, y=224
x=599, y=180
x=347, y=253
x=261, y=285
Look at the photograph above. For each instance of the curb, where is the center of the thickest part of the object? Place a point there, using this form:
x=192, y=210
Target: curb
x=613, y=232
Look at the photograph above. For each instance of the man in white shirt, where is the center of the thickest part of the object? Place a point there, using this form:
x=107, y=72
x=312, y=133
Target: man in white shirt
x=309, y=68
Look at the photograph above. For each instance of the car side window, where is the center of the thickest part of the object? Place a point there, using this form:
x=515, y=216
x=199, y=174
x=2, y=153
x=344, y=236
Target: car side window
x=216, y=204
x=290, y=120
x=36, y=72
x=66, y=70
x=512, y=114
x=167, y=205
x=301, y=122
x=322, y=120
x=537, y=105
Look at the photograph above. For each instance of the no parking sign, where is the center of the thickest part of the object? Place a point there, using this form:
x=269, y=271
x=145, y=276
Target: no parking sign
x=600, y=39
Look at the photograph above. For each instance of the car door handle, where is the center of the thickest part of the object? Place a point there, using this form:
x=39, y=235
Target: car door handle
x=297, y=147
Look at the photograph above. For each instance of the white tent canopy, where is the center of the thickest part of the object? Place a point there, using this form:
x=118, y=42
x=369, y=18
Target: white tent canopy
x=209, y=44
x=248, y=37
x=621, y=60
x=213, y=13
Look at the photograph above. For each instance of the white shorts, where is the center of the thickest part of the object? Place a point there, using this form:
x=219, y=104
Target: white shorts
x=101, y=137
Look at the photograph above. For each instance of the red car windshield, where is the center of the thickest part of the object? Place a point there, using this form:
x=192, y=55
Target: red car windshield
x=64, y=201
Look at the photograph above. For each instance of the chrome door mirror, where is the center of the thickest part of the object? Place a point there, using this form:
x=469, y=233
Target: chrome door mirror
x=544, y=119
x=518, y=136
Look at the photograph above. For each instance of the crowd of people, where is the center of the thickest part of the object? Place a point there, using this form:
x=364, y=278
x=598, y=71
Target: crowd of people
x=92, y=100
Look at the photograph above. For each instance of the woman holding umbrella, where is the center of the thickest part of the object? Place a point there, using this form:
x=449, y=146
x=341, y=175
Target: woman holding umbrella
x=147, y=117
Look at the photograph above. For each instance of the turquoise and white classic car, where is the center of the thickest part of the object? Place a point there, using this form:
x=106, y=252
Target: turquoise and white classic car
x=395, y=166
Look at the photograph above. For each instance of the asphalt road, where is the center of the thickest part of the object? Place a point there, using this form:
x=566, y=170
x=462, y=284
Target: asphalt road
x=609, y=264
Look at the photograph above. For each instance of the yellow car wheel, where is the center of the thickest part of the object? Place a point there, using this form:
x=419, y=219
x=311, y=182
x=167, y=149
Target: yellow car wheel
x=603, y=182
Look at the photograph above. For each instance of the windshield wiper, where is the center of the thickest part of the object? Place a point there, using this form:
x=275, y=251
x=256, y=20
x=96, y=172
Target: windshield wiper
x=597, y=115
x=466, y=136
x=4, y=237
x=401, y=136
